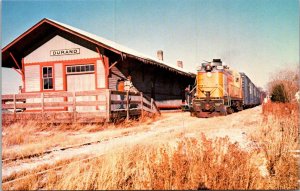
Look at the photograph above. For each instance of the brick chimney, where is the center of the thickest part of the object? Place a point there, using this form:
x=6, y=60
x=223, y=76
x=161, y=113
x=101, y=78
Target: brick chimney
x=179, y=64
x=160, y=55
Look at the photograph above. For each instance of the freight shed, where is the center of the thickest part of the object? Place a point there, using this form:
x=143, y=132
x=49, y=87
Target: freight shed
x=52, y=57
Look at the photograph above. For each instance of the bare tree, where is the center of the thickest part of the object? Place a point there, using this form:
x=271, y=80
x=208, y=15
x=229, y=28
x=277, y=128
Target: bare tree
x=289, y=78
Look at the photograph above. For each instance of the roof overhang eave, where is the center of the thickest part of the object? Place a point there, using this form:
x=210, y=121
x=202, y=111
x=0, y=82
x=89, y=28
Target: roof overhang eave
x=97, y=43
x=144, y=60
x=91, y=40
x=84, y=37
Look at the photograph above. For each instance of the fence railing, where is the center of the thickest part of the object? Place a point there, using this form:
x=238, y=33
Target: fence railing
x=103, y=103
x=132, y=101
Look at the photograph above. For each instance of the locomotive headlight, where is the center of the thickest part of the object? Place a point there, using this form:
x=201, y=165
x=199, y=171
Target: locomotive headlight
x=208, y=74
x=208, y=68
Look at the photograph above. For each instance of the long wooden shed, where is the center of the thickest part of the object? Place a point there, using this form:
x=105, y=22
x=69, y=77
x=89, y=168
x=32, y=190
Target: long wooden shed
x=52, y=57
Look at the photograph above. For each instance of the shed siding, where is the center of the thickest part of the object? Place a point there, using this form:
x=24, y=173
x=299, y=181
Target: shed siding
x=42, y=54
x=58, y=74
x=166, y=88
x=100, y=74
x=115, y=75
x=32, y=78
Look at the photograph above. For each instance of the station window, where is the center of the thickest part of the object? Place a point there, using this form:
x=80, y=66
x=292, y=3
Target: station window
x=80, y=68
x=48, y=78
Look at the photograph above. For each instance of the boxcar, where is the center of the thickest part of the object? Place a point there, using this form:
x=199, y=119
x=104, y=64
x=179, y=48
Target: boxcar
x=251, y=93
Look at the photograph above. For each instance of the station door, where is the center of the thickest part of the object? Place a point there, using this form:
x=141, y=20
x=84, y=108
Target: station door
x=81, y=82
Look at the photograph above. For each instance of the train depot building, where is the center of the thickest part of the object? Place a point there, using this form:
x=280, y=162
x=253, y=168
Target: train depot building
x=55, y=57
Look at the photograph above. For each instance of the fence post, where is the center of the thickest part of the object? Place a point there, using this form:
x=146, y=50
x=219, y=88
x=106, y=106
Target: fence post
x=108, y=105
x=127, y=105
x=14, y=98
x=151, y=103
x=142, y=103
x=42, y=106
x=74, y=107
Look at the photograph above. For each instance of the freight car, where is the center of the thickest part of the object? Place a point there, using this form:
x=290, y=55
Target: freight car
x=220, y=90
x=252, y=96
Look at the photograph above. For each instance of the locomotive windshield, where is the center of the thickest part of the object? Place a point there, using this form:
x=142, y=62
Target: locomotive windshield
x=211, y=67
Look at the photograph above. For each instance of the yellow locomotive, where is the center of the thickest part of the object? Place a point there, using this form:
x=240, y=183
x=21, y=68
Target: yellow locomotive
x=218, y=90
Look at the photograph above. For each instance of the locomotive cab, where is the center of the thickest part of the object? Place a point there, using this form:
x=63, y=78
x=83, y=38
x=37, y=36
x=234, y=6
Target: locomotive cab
x=218, y=90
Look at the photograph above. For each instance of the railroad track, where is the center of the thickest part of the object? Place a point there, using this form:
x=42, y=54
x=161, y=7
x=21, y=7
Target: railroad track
x=9, y=182
x=4, y=183
x=5, y=161
x=63, y=148
x=178, y=124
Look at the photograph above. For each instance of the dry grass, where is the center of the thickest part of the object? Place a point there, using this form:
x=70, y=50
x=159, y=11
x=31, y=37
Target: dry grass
x=26, y=138
x=277, y=137
x=205, y=164
x=192, y=163
x=34, y=179
x=21, y=139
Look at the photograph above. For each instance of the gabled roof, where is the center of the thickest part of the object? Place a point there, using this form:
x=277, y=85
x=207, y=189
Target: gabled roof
x=46, y=27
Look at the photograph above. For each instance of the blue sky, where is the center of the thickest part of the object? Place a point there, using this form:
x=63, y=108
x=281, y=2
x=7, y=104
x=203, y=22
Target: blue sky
x=257, y=37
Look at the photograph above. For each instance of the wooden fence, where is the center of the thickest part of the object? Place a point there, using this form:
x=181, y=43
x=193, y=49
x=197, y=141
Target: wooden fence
x=84, y=106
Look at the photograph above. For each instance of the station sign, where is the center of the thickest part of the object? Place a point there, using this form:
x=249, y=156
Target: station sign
x=62, y=52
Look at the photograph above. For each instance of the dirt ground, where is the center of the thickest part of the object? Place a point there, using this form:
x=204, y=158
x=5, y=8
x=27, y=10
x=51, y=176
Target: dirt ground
x=238, y=127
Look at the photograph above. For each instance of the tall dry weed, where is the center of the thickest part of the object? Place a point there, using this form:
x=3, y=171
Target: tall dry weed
x=192, y=164
x=201, y=163
x=278, y=137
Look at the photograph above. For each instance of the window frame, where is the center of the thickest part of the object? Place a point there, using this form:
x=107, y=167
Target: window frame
x=47, y=77
x=73, y=69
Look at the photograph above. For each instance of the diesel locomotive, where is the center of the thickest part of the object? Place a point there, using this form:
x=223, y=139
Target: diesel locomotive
x=220, y=90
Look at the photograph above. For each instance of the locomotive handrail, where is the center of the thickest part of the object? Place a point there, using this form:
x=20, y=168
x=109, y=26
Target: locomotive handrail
x=193, y=89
